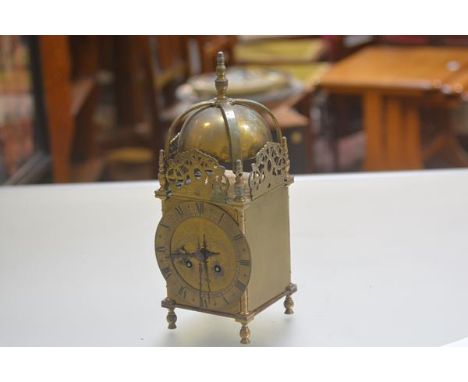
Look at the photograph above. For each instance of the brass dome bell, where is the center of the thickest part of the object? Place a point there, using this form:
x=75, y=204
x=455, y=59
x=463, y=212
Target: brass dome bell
x=206, y=130
x=226, y=129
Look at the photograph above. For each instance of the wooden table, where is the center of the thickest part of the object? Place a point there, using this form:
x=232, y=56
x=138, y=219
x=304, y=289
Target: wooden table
x=394, y=83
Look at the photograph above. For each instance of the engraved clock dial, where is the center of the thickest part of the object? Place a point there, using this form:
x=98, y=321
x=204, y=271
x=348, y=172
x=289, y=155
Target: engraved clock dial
x=203, y=255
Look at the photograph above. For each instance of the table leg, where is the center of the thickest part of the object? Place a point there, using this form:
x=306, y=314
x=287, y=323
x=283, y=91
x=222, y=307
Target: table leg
x=403, y=134
x=373, y=127
x=395, y=131
x=56, y=74
x=392, y=127
x=412, y=142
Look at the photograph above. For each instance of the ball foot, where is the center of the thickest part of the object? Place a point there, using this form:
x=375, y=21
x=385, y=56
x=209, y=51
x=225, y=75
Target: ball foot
x=288, y=304
x=245, y=334
x=171, y=318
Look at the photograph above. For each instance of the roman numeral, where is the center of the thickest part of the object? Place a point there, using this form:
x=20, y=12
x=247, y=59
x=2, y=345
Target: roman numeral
x=164, y=225
x=166, y=272
x=226, y=300
x=161, y=249
x=238, y=236
x=200, y=208
x=239, y=285
x=221, y=218
x=179, y=210
x=182, y=292
x=244, y=262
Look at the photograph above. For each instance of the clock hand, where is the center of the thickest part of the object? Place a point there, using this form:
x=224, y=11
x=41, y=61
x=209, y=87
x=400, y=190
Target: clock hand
x=205, y=254
x=200, y=291
x=181, y=252
x=207, y=276
x=202, y=253
x=199, y=255
x=205, y=251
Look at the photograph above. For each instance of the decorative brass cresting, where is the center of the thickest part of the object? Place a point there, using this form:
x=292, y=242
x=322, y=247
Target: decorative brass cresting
x=271, y=168
x=196, y=173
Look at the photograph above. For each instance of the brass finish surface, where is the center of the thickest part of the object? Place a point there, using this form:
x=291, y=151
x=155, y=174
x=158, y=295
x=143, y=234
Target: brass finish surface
x=206, y=131
x=203, y=255
x=288, y=305
x=261, y=109
x=271, y=169
x=267, y=231
x=245, y=334
x=226, y=129
x=222, y=244
x=171, y=316
x=196, y=173
x=181, y=118
x=171, y=319
x=239, y=317
x=242, y=318
x=221, y=82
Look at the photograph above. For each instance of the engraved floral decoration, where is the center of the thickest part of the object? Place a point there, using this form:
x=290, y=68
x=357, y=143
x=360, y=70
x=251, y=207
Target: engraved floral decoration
x=271, y=168
x=196, y=173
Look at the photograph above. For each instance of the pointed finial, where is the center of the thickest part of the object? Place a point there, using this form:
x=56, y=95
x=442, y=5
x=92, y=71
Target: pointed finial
x=221, y=81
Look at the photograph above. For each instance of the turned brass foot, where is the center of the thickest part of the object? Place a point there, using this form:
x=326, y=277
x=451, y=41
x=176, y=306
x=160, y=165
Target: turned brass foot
x=171, y=318
x=245, y=334
x=289, y=304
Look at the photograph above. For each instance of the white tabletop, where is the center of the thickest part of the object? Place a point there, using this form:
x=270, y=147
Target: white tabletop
x=379, y=259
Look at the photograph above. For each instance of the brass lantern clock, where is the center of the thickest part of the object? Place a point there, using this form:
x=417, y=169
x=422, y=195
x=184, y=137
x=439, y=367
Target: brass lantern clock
x=223, y=243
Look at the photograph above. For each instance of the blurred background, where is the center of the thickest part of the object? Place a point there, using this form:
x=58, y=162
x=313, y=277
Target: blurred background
x=97, y=108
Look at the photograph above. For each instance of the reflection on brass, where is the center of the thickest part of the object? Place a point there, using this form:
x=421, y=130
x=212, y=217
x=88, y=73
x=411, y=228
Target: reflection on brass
x=222, y=244
x=206, y=131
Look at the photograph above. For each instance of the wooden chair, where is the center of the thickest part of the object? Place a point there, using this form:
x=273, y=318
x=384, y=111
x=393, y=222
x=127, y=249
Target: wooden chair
x=163, y=64
x=71, y=66
x=69, y=87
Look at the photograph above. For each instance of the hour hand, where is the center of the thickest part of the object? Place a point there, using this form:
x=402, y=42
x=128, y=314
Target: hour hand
x=181, y=252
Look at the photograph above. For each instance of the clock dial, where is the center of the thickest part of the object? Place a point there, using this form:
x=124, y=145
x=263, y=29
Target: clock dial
x=203, y=255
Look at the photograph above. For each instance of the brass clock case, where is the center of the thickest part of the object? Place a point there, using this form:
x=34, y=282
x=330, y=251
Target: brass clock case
x=222, y=244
